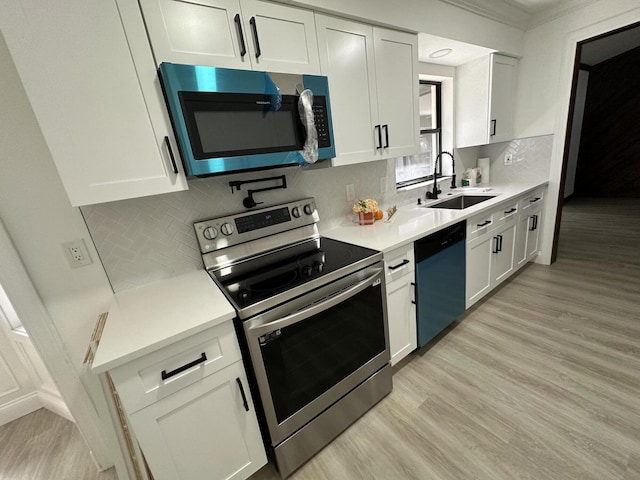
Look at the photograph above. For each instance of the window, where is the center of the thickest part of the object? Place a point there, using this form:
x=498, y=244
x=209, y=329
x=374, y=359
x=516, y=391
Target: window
x=419, y=168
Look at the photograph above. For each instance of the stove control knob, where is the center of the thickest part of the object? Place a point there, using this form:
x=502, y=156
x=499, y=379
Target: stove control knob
x=210, y=233
x=307, y=271
x=226, y=228
x=308, y=209
x=295, y=211
x=318, y=266
x=243, y=295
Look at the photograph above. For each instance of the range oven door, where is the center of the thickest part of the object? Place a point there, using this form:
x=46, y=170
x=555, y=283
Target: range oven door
x=310, y=352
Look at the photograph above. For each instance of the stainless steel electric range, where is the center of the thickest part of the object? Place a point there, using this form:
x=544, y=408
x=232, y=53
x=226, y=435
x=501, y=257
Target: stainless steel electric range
x=311, y=317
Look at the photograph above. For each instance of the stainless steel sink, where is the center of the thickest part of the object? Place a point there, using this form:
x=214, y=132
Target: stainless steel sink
x=462, y=202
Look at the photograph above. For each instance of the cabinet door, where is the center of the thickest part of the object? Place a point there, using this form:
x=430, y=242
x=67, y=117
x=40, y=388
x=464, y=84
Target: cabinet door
x=82, y=84
x=347, y=58
x=402, y=317
x=520, y=249
x=503, y=253
x=280, y=38
x=398, y=100
x=533, y=234
x=478, y=269
x=503, y=81
x=472, y=103
x=202, y=431
x=198, y=32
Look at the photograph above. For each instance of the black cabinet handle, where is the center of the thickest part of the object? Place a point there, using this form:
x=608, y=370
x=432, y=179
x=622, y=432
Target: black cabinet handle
x=386, y=135
x=484, y=224
x=244, y=397
x=252, y=21
x=402, y=264
x=170, y=150
x=164, y=374
x=243, y=46
x=532, y=223
x=414, y=292
x=379, y=130
x=511, y=210
x=535, y=222
x=493, y=127
x=534, y=200
x=498, y=244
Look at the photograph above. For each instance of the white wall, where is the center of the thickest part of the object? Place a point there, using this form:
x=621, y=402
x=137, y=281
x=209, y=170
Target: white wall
x=38, y=217
x=545, y=74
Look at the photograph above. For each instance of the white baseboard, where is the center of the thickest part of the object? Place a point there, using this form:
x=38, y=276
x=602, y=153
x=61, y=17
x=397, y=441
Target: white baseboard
x=19, y=407
x=53, y=402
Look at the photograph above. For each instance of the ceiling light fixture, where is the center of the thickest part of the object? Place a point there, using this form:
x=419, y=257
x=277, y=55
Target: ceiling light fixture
x=443, y=52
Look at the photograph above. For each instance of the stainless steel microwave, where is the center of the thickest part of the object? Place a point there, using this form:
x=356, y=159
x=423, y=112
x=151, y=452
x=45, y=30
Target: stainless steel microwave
x=229, y=120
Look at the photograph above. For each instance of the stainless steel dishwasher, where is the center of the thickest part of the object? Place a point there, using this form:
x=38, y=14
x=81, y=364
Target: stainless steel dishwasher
x=440, y=280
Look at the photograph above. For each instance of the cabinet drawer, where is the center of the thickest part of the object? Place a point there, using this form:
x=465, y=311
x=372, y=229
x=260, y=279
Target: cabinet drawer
x=480, y=225
x=531, y=201
x=507, y=213
x=398, y=262
x=161, y=373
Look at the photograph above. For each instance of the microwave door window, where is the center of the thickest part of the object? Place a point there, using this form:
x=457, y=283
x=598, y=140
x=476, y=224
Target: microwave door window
x=242, y=125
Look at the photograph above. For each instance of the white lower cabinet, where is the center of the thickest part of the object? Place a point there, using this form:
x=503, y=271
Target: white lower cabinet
x=191, y=410
x=478, y=269
x=502, y=264
x=529, y=225
x=207, y=430
x=401, y=308
x=499, y=242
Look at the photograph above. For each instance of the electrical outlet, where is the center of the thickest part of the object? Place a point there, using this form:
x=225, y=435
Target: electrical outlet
x=351, y=192
x=77, y=253
x=383, y=184
x=508, y=159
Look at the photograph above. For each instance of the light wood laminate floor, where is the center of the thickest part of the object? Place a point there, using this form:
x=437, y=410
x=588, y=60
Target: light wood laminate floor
x=45, y=446
x=540, y=380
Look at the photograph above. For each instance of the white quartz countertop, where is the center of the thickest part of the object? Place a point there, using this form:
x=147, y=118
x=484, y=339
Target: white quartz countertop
x=153, y=316
x=412, y=222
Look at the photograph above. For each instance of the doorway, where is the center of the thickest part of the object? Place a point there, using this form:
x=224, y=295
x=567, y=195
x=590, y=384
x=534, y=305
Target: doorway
x=602, y=142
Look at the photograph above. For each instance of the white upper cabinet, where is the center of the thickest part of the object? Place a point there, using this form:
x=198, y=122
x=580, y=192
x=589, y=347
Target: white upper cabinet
x=485, y=93
x=84, y=88
x=373, y=80
x=398, y=97
x=247, y=34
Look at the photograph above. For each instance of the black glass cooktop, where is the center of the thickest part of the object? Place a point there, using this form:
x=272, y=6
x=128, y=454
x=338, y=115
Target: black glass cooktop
x=269, y=275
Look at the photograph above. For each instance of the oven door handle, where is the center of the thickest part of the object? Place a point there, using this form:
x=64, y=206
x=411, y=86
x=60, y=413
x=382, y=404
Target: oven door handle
x=256, y=328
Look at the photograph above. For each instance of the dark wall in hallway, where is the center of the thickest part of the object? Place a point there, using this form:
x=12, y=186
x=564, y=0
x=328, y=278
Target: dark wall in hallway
x=609, y=158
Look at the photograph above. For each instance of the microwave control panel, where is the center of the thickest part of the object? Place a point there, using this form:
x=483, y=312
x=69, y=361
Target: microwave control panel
x=321, y=121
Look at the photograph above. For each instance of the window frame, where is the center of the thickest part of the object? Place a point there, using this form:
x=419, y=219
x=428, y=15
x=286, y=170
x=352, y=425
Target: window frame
x=437, y=131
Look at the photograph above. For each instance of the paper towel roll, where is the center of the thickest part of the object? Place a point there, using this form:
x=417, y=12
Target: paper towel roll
x=485, y=165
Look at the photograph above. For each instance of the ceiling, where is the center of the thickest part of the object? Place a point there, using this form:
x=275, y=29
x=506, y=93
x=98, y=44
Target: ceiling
x=460, y=52
x=522, y=14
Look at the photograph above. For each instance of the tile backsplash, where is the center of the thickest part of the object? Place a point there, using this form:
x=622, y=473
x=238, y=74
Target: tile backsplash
x=151, y=238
